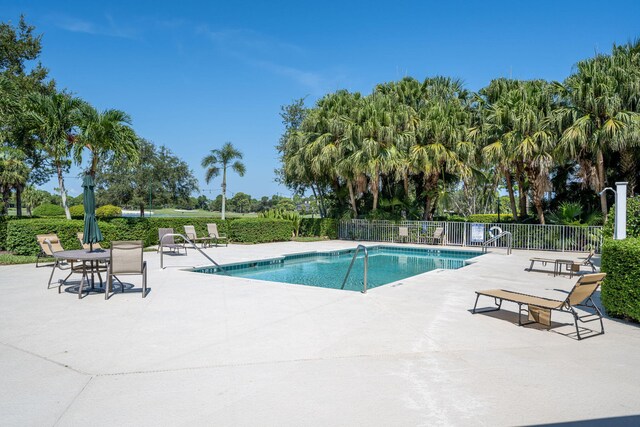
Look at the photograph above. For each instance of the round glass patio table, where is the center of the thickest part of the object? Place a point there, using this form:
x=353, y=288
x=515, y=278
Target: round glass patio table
x=90, y=264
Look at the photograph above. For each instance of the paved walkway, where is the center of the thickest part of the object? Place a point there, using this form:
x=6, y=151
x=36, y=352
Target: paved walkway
x=214, y=350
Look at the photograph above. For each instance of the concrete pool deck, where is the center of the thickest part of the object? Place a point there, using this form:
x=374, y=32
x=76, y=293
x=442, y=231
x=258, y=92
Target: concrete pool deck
x=213, y=350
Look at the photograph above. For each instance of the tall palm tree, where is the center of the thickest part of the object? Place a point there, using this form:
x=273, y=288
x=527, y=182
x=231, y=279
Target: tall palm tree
x=218, y=161
x=597, y=121
x=102, y=133
x=53, y=118
x=13, y=176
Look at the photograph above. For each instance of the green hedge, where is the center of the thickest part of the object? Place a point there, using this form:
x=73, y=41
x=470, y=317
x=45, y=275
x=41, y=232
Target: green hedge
x=488, y=218
x=621, y=289
x=4, y=220
x=319, y=227
x=108, y=211
x=48, y=209
x=77, y=211
x=633, y=218
x=260, y=230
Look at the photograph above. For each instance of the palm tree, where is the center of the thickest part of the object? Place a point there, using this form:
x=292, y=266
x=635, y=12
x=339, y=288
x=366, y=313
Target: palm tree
x=13, y=176
x=597, y=121
x=104, y=132
x=219, y=160
x=53, y=118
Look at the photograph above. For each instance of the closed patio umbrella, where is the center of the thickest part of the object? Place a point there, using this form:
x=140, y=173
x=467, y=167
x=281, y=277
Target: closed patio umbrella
x=92, y=233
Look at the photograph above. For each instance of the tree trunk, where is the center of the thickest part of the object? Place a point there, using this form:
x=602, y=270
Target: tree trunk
x=375, y=188
x=522, y=193
x=18, y=201
x=141, y=209
x=601, y=184
x=224, y=191
x=512, y=198
x=63, y=191
x=6, y=195
x=430, y=183
x=352, y=199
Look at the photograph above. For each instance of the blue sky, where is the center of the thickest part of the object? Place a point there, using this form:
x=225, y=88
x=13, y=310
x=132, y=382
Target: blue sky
x=196, y=74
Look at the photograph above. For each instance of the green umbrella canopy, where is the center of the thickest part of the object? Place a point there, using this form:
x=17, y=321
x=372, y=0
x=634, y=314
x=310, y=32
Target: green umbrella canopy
x=92, y=232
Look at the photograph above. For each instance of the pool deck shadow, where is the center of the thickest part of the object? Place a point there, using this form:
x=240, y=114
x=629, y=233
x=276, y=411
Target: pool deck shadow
x=218, y=350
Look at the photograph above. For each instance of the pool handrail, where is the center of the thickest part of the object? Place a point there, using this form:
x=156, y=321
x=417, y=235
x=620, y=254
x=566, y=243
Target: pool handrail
x=498, y=237
x=186, y=239
x=366, y=267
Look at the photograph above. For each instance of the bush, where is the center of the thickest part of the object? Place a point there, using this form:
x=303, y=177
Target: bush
x=489, y=218
x=48, y=209
x=633, y=218
x=4, y=220
x=77, y=211
x=260, y=230
x=319, y=227
x=621, y=289
x=108, y=211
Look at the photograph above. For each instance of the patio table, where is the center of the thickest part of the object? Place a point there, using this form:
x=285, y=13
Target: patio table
x=90, y=264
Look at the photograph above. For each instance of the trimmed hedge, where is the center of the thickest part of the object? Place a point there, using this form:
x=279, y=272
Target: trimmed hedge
x=319, y=227
x=77, y=211
x=260, y=230
x=108, y=211
x=4, y=220
x=633, y=218
x=48, y=209
x=489, y=218
x=621, y=289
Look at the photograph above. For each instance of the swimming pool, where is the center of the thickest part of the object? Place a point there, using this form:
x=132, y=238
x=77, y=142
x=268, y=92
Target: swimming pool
x=327, y=269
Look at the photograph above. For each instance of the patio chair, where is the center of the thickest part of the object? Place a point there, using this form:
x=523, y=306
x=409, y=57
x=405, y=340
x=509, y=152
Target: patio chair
x=190, y=232
x=572, y=265
x=126, y=259
x=49, y=244
x=436, y=238
x=87, y=246
x=539, y=308
x=217, y=237
x=165, y=241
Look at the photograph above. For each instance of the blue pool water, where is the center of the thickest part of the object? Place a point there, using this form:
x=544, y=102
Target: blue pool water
x=327, y=269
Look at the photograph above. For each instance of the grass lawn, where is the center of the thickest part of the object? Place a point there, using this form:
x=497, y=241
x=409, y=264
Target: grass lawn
x=198, y=213
x=8, y=259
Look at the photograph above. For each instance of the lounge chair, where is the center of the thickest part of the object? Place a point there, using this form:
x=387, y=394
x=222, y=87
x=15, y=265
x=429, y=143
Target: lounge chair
x=539, y=308
x=190, y=232
x=167, y=241
x=126, y=259
x=436, y=238
x=87, y=246
x=49, y=244
x=571, y=265
x=217, y=237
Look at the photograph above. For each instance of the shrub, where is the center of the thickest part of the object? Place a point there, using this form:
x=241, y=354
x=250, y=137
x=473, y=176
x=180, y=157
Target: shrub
x=319, y=227
x=489, y=218
x=633, y=218
x=621, y=289
x=260, y=230
x=279, y=213
x=48, y=209
x=77, y=211
x=108, y=211
x=4, y=220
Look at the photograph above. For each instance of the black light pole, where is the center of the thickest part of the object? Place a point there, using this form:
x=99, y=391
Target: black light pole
x=498, y=209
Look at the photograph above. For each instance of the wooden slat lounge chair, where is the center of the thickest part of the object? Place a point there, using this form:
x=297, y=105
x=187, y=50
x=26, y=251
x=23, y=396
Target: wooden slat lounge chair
x=217, y=237
x=190, y=232
x=572, y=265
x=165, y=241
x=539, y=308
x=436, y=238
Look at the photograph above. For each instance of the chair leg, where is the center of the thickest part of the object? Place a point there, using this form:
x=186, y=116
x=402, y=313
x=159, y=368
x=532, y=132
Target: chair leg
x=144, y=279
x=53, y=269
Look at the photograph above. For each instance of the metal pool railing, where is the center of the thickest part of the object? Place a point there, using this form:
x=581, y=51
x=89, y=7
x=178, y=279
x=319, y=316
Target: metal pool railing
x=524, y=236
